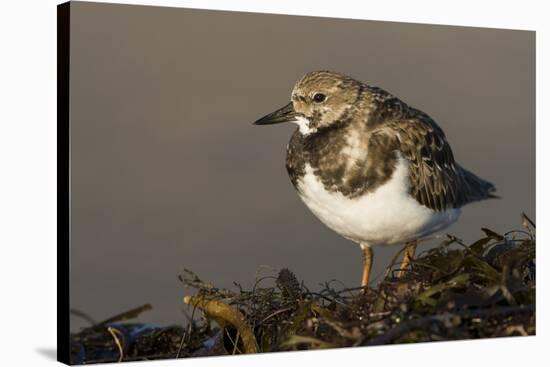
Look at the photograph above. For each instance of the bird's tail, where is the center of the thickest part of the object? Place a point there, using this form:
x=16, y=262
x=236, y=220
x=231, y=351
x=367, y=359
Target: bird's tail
x=478, y=188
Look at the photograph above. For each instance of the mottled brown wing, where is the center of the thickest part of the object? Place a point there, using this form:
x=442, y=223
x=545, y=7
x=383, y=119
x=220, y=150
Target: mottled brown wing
x=436, y=180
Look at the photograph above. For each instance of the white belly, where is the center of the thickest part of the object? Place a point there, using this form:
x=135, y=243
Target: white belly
x=389, y=215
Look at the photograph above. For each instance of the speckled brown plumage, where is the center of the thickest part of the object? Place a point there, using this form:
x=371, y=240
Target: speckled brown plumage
x=323, y=152
x=387, y=126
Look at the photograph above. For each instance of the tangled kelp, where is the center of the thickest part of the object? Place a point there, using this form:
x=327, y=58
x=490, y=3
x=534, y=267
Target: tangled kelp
x=453, y=291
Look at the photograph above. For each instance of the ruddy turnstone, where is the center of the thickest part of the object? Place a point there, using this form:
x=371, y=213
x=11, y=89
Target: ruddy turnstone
x=370, y=167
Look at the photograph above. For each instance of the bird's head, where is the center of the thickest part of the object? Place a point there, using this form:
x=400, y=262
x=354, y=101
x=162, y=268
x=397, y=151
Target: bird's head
x=319, y=99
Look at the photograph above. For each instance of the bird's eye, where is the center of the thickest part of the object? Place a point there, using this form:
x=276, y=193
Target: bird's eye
x=319, y=98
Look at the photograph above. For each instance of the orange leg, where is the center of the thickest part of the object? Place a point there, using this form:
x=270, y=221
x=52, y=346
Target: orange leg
x=408, y=254
x=367, y=263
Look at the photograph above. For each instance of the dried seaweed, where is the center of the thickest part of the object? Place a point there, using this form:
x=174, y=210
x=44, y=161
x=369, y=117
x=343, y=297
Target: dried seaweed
x=453, y=291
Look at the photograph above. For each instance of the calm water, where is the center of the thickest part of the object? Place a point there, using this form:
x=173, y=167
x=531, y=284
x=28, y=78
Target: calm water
x=168, y=172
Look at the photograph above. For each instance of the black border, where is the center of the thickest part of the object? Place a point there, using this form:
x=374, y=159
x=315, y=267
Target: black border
x=63, y=181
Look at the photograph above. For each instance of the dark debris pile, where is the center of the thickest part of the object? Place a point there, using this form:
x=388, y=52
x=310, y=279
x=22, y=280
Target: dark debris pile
x=454, y=291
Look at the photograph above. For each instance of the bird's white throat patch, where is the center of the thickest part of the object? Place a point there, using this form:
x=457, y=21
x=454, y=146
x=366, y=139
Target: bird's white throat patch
x=304, y=125
x=388, y=215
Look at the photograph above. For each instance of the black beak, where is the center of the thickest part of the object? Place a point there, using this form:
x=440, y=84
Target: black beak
x=284, y=114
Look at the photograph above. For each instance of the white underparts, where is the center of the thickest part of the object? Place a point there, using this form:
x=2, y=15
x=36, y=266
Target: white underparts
x=388, y=215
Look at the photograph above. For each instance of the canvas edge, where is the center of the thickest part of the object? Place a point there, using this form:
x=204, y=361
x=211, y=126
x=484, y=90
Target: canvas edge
x=63, y=182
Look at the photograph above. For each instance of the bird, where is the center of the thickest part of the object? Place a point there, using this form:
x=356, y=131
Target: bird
x=370, y=167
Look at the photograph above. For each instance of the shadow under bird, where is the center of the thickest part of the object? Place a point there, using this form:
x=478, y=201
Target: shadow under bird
x=370, y=167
